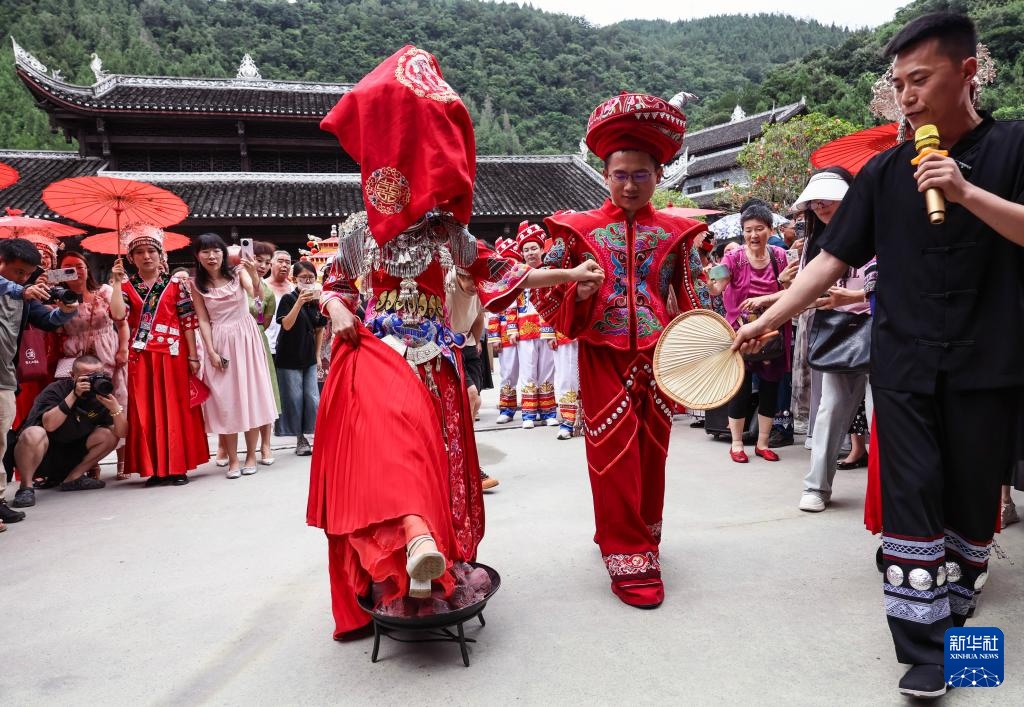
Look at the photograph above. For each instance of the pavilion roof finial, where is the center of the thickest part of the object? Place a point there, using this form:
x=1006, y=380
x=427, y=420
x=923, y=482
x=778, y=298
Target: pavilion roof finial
x=97, y=67
x=24, y=58
x=248, y=70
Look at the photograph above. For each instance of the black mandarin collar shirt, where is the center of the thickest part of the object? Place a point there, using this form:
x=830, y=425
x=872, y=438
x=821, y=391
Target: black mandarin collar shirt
x=949, y=303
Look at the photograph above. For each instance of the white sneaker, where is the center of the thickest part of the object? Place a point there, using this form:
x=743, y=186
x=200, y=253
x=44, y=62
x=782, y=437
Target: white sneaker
x=808, y=444
x=552, y=422
x=503, y=418
x=564, y=434
x=234, y=473
x=812, y=503
x=527, y=424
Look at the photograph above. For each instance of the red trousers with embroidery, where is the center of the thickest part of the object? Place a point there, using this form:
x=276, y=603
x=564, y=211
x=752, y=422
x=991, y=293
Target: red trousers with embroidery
x=628, y=423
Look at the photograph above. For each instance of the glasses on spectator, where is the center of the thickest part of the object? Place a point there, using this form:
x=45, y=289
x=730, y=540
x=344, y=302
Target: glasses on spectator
x=818, y=203
x=641, y=176
x=306, y=279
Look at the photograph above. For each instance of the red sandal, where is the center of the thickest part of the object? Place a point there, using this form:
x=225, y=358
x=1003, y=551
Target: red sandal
x=739, y=457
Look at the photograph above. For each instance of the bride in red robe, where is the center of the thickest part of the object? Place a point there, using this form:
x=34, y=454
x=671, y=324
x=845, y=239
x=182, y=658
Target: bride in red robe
x=395, y=479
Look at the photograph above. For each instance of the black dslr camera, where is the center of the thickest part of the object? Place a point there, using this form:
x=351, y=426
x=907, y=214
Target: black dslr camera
x=62, y=295
x=100, y=384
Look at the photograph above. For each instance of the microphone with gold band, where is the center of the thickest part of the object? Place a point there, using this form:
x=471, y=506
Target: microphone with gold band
x=926, y=140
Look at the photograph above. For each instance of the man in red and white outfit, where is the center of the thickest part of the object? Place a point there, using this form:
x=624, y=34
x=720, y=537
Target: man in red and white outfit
x=536, y=341
x=649, y=258
x=504, y=327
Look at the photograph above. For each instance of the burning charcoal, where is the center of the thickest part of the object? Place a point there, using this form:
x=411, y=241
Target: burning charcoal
x=480, y=581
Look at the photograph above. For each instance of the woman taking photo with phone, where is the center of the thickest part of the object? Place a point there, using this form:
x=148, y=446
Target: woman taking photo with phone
x=95, y=332
x=236, y=371
x=298, y=346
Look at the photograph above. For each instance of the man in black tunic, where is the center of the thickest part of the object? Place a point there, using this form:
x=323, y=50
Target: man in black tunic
x=948, y=335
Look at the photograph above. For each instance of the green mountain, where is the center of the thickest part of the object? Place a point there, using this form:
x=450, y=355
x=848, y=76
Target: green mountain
x=528, y=77
x=837, y=80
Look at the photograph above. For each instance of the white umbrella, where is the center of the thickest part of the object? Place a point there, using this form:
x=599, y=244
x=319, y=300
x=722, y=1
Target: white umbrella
x=729, y=226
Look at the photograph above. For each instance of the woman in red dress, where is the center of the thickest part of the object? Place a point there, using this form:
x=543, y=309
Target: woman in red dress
x=166, y=435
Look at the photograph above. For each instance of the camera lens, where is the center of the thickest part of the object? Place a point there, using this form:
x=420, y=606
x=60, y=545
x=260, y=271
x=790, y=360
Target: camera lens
x=101, y=384
x=62, y=295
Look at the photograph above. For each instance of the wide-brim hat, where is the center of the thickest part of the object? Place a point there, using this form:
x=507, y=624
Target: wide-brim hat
x=823, y=185
x=636, y=121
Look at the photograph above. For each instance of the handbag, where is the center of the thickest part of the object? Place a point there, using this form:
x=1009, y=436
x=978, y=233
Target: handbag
x=839, y=342
x=198, y=392
x=774, y=347
x=32, y=363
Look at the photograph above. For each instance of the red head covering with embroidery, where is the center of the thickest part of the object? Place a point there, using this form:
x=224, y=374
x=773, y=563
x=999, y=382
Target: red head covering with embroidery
x=636, y=121
x=506, y=248
x=530, y=233
x=413, y=139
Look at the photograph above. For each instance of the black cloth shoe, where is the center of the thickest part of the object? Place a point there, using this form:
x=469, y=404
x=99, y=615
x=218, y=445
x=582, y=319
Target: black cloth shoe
x=779, y=438
x=157, y=481
x=926, y=681
x=178, y=479
x=82, y=483
x=859, y=463
x=302, y=448
x=24, y=498
x=7, y=515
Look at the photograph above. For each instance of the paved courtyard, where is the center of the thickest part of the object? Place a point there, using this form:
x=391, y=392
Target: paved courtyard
x=216, y=593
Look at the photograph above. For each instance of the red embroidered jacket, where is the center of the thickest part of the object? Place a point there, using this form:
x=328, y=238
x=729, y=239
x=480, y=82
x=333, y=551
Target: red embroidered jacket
x=173, y=315
x=648, y=266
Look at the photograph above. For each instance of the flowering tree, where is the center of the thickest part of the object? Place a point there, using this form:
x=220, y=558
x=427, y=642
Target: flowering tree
x=780, y=162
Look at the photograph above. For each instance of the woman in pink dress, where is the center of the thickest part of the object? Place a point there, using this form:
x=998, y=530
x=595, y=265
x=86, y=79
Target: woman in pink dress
x=95, y=332
x=236, y=371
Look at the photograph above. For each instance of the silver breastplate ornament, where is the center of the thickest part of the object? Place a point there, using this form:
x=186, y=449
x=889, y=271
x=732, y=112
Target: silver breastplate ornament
x=406, y=256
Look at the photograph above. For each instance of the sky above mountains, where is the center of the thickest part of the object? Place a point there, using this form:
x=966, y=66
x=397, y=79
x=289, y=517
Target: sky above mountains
x=864, y=13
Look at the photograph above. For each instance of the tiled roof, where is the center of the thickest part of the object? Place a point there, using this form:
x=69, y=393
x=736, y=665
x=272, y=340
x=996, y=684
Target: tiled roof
x=520, y=186
x=718, y=137
x=715, y=162
x=114, y=94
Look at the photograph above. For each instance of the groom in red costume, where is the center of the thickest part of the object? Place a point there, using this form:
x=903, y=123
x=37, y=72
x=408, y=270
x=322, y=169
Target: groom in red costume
x=648, y=258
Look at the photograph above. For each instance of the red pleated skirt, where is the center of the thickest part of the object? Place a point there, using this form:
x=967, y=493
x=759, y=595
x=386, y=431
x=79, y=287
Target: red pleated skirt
x=166, y=436
x=379, y=456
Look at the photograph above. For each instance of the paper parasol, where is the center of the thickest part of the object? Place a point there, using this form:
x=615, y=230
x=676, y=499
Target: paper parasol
x=109, y=244
x=108, y=202
x=687, y=212
x=693, y=361
x=19, y=226
x=853, y=151
x=8, y=175
x=730, y=227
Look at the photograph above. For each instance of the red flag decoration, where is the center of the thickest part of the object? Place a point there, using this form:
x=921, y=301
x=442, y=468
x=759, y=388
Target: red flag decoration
x=413, y=139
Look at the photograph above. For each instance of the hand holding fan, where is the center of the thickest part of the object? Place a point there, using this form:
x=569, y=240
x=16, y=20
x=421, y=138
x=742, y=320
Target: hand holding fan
x=694, y=363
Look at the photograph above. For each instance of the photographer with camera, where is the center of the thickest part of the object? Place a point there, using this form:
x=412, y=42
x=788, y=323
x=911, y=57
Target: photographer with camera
x=74, y=423
x=19, y=307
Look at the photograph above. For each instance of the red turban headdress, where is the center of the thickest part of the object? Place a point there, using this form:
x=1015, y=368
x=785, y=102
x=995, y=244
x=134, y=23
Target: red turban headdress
x=530, y=232
x=506, y=248
x=413, y=139
x=636, y=121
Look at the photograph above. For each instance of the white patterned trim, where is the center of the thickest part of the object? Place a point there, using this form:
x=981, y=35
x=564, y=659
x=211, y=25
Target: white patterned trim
x=925, y=594
x=969, y=551
x=914, y=550
x=916, y=612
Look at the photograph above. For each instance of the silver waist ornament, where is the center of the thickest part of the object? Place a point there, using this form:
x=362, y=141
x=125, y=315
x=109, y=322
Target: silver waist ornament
x=406, y=256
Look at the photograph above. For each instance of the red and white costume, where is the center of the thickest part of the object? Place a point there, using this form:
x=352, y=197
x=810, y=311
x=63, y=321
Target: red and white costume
x=536, y=359
x=503, y=324
x=648, y=276
x=166, y=435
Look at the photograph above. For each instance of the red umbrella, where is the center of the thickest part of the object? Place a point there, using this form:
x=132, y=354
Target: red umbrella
x=8, y=175
x=109, y=243
x=15, y=226
x=107, y=202
x=684, y=212
x=854, y=150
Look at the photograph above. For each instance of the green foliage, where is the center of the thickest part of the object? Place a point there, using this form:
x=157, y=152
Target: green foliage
x=529, y=77
x=779, y=163
x=671, y=197
x=837, y=81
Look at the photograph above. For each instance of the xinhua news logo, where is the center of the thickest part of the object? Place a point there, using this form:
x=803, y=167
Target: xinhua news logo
x=974, y=657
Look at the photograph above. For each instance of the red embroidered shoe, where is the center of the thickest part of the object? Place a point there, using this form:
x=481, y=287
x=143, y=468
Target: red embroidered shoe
x=766, y=454
x=739, y=457
x=641, y=593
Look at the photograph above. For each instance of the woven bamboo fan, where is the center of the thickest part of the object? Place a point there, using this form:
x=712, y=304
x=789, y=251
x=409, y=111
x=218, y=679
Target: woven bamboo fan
x=693, y=362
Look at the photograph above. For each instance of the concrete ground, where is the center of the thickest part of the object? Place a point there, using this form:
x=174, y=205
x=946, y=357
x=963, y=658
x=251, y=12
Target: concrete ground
x=216, y=593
